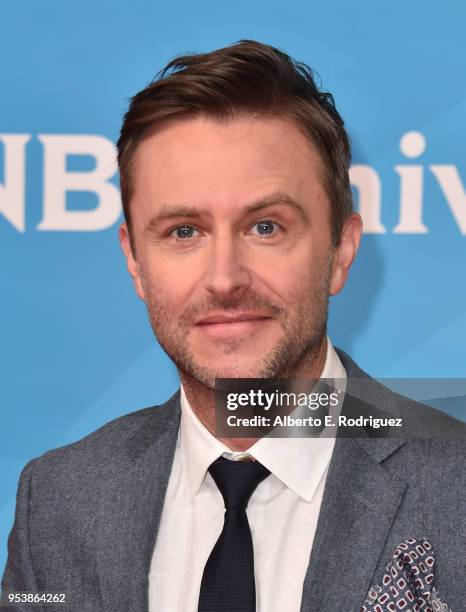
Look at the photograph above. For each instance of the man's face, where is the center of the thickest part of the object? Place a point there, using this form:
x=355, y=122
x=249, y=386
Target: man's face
x=233, y=251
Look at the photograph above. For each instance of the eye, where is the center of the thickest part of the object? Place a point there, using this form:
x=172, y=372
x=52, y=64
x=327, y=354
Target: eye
x=265, y=228
x=183, y=232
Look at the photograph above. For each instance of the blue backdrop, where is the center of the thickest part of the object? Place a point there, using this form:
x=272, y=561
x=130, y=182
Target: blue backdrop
x=76, y=347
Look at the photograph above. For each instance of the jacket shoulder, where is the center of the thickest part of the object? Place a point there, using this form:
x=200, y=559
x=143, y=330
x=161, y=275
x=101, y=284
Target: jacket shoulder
x=108, y=441
x=419, y=419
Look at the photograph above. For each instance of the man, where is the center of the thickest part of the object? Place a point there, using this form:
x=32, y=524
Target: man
x=239, y=226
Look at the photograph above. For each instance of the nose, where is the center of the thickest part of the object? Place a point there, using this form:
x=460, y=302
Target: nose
x=226, y=274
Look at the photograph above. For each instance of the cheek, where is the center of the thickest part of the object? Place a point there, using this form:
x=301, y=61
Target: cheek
x=291, y=276
x=166, y=266
x=168, y=286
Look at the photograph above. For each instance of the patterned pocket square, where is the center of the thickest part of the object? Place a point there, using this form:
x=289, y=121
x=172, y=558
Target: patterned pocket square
x=408, y=582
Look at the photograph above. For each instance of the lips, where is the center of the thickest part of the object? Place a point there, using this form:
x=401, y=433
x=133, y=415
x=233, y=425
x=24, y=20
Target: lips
x=222, y=327
x=225, y=319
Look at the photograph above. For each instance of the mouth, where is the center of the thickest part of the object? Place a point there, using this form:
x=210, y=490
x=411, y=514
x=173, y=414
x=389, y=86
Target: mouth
x=233, y=325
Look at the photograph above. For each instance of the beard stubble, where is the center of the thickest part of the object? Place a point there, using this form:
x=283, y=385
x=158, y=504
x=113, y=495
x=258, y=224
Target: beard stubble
x=304, y=328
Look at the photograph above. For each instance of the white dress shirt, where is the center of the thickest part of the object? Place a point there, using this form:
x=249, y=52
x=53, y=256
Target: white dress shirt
x=282, y=513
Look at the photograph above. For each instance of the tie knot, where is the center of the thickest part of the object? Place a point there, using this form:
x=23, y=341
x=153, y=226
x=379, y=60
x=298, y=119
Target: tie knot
x=237, y=480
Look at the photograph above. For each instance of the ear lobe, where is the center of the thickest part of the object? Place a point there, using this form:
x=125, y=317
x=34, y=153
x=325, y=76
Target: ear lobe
x=131, y=263
x=345, y=253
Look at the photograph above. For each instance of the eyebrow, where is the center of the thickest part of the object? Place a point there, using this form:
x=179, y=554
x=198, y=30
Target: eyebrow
x=170, y=211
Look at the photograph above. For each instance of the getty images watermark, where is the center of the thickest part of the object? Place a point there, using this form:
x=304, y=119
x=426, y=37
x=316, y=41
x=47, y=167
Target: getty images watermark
x=254, y=408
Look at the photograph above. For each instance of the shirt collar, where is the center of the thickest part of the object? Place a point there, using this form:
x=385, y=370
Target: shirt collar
x=299, y=463
x=199, y=448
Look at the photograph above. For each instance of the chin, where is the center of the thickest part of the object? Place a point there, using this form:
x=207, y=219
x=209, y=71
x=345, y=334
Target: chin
x=243, y=370
x=240, y=352
x=232, y=360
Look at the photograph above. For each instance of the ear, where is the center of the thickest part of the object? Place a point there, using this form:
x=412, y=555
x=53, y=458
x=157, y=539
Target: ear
x=132, y=264
x=346, y=251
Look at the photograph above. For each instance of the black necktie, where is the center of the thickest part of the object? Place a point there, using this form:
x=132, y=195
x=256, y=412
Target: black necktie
x=228, y=580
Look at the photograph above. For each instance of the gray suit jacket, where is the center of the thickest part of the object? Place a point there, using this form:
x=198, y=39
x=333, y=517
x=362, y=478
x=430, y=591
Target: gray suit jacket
x=87, y=514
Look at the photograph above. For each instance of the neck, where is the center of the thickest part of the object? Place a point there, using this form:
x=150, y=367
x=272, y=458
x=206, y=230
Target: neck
x=202, y=398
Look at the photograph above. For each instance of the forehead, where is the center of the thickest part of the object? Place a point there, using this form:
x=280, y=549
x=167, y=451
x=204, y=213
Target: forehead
x=224, y=165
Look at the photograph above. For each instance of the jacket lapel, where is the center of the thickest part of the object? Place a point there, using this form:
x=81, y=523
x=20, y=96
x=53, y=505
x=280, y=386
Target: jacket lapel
x=132, y=493
x=360, y=502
